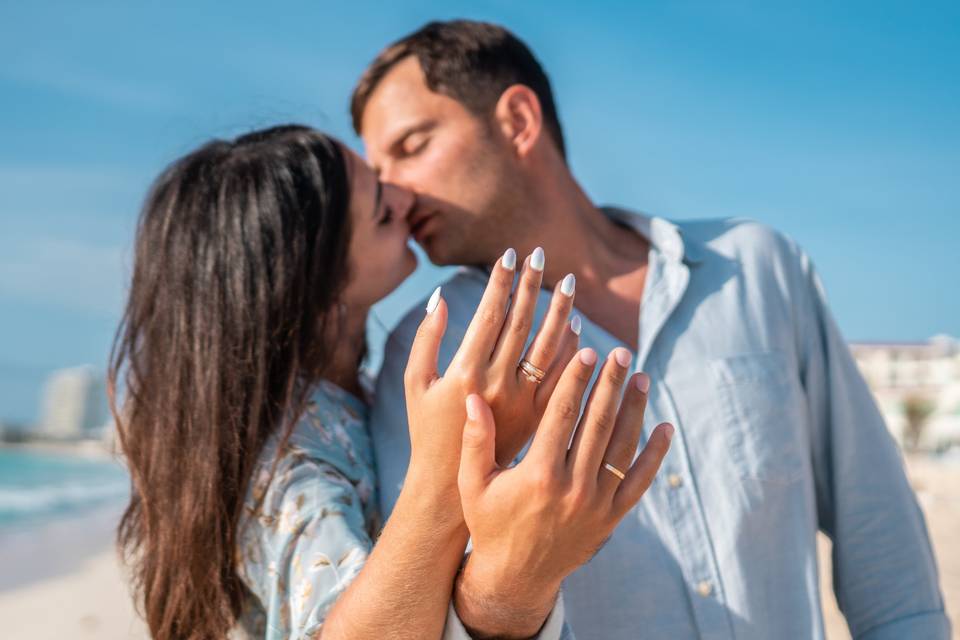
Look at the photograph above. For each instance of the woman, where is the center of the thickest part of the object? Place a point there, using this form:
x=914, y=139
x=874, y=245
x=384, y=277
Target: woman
x=253, y=507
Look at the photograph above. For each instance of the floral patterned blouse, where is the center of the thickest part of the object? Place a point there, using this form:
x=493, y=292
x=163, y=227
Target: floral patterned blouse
x=307, y=530
x=312, y=532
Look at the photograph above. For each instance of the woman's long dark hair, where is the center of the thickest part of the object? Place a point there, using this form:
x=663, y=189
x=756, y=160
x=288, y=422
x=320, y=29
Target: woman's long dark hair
x=241, y=255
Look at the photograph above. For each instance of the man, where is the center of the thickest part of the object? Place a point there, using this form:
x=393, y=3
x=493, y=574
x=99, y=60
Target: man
x=777, y=435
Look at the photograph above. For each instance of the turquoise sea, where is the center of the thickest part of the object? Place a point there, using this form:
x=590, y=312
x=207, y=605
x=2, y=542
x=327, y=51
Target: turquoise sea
x=36, y=487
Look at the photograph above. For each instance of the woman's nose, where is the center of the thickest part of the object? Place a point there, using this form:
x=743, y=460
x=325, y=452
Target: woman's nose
x=403, y=200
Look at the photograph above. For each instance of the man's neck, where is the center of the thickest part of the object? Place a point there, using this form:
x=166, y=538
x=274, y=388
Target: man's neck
x=608, y=259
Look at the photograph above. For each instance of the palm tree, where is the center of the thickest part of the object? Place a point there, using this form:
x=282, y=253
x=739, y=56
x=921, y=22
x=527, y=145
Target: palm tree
x=916, y=411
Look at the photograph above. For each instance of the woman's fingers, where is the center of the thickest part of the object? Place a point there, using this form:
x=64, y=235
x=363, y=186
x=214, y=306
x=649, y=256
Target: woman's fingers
x=626, y=433
x=549, y=447
x=422, y=362
x=643, y=470
x=568, y=348
x=484, y=329
x=599, y=417
x=546, y=344
x=519, y=320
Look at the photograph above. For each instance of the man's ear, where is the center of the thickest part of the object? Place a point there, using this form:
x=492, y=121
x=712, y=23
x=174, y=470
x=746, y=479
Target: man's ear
x=519, y=118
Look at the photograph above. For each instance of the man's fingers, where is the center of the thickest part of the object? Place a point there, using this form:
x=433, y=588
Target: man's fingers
x=599, y=417
x=549, y=446
x=422, y=362
x=644, y=469
x=477, y=462
x=481, y=336
x=626, y=433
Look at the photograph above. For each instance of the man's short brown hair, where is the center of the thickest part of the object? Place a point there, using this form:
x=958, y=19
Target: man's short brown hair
x=471, y=62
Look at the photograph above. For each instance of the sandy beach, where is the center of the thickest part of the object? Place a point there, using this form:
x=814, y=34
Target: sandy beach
x=51, y=589
x=64, y=581
x=89, y=602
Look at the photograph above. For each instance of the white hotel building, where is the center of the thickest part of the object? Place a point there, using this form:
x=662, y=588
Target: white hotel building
x=929, y=372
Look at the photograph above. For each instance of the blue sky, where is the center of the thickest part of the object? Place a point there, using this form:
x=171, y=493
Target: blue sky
x=839, y=125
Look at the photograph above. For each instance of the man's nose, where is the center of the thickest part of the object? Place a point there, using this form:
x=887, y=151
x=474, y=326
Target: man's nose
x=391, y=173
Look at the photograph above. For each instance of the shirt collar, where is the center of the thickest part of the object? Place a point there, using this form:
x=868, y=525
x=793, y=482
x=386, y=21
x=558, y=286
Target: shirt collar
x=665, y=237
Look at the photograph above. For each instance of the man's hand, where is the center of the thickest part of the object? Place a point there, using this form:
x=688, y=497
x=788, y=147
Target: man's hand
x=534, y=524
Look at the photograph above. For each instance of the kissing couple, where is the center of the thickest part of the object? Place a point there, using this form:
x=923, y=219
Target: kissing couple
x=658, y=416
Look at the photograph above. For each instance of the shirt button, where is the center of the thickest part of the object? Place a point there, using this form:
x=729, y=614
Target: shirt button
x=704, y=588
x=675, y=480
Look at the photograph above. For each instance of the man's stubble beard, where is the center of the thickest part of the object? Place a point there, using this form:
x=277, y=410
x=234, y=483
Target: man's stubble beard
x=501, y=223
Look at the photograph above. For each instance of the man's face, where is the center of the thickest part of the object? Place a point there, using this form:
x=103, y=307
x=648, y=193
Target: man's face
x=462, y=169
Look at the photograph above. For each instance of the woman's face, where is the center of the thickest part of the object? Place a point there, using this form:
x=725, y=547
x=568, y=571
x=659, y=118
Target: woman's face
x=380, y=258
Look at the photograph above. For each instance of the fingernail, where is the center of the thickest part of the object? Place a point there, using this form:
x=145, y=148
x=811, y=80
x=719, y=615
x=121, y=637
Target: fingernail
x=537, y=259
x=588, y=356
x=433, y=301
x=622, y=356
x=568, y=285
x=575, y=325
x=668, y=429
x=643, y=382
x=509, y=260
x=473, y=412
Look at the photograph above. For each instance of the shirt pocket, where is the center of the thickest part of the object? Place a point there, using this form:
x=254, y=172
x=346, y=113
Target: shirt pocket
x=760, y=412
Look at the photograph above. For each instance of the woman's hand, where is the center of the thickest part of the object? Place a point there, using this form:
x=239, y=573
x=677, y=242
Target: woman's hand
x=486, y=364
x=532, y=525
x=420, y=549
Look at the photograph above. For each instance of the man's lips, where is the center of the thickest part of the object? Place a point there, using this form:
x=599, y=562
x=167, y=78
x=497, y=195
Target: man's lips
x=418, y=224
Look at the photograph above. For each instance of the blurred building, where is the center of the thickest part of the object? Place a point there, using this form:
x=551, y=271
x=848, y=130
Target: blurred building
x=917, y=386
x=74, y=404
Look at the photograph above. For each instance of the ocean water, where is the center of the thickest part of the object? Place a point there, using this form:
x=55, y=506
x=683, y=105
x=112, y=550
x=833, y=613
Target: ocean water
x=37, y=487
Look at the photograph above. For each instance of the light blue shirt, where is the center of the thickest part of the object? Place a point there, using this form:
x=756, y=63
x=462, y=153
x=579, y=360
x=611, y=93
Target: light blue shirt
x=777, y=437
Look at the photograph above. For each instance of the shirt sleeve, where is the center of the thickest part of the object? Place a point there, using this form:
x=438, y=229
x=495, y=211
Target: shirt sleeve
x=309, y=544
x=884, y=572
x=554, y=628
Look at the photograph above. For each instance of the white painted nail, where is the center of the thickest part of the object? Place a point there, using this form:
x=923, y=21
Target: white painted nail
x=575, y=325
x=568, y=285
x=537, y=259
x=509, y=260
x=433, y=301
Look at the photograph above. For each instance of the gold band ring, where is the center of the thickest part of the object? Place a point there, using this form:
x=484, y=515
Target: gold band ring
x=531, y=371
x=612, y=469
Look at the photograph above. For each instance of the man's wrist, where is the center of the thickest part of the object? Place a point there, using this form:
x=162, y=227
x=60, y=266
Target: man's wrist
x=494, y=601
